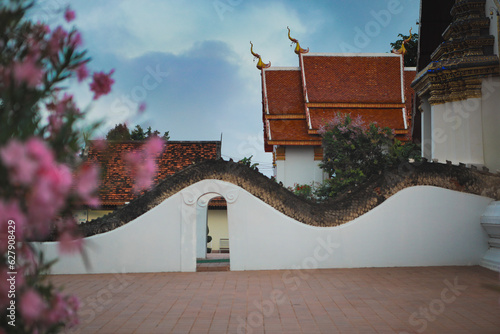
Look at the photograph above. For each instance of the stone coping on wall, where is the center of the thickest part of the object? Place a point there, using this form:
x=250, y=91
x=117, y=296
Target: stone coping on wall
x=346, y=207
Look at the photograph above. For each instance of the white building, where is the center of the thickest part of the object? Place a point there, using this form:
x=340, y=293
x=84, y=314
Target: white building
x=298, y=101
x=458, y=84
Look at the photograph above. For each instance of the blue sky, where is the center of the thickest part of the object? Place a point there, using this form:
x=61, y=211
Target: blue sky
x=189, y=60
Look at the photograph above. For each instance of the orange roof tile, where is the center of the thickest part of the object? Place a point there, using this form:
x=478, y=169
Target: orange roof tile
x=290, y=130
x=116, y=184
x=392, y=118
x=370, y=85
x=362, y=79
x=284, y=91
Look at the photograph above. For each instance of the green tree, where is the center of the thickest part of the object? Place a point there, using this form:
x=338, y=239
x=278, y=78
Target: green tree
x=122, y=132
x=247, y=161
x=119, y=132
x=138, y=133
x=411, y=46
x=354, y=151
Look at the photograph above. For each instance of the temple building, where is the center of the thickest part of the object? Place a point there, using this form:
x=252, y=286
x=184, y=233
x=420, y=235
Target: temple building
x=298, y=101
x=458, y=82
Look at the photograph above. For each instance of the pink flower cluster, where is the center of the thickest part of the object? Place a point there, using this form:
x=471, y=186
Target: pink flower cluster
x=142, y=164
x=101, y=84
x=46, y=184
x=60, y=309
x=58, y=110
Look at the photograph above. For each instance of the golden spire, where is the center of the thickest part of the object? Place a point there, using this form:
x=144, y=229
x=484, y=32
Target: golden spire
x=298, y=49
x=402, y=50
x=260, y=63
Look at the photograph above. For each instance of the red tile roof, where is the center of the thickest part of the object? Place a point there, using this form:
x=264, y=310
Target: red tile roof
x=370, y=86
x=116, y=184
x=284, y=91
x=392, y=118
x=290, y=130
x=371, y=79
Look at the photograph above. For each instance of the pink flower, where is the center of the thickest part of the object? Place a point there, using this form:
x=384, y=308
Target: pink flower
x=10, y=211
x=143, y=163
x=75, y=39
x=57, y=311
x=40, y=152
x=4, y=288
x=100, y=144
x=69, y=15
x=73, y=305
x=82, y=73
x=21, y=166
x=144, y=175
x=87, y=183
x=56, y=41
x=28, y=72
x=142, y=107
x=69, y=244
x=48, y=196
x=101, y=84
x=31, y=305
x=154, y=146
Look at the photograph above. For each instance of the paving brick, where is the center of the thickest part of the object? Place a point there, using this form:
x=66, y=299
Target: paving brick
x=375, y=300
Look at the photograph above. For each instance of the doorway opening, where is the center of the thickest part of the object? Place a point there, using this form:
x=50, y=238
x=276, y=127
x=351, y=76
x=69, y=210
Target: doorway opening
x=217, y=238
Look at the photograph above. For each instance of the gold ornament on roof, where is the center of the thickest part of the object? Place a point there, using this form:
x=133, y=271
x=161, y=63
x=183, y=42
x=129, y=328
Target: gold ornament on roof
x=260, y=63
x=298, y=49
x=402, y=50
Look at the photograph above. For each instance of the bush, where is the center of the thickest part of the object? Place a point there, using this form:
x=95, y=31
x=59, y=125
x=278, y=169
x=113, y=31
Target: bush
x=303, y=190
x=354, y=151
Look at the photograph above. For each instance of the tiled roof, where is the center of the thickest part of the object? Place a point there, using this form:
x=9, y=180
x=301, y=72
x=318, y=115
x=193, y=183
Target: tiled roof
x=392, y=118
x=290, y=130
x=284, y=91
x=371, y=79
x=116, y=184
x=369, y=85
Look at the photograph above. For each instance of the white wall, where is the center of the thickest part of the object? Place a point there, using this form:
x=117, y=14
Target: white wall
x=465, y=131
x=491, y=122
x=419, y=226
x=457, y=132
x=299, y=167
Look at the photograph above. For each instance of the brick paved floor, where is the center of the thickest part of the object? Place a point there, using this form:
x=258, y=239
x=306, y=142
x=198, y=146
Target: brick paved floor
x=374, y=300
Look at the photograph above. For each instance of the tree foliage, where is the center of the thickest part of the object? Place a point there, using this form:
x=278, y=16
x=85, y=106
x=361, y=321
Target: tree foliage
x=121, y=133
x=354, y=151
x=410, y=58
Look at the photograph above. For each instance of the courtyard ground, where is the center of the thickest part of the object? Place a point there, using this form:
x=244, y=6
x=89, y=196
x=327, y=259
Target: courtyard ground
x=370, y=300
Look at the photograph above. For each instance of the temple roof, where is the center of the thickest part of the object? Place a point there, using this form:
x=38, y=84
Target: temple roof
x=353, y=78
x=116, y=186
x=297, y=101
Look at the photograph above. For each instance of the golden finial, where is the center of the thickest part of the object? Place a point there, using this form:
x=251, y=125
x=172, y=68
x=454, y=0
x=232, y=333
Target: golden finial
x=298, y=49
x=260, y=63
x=402, y=50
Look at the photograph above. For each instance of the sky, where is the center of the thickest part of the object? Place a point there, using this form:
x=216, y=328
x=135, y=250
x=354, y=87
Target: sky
x=189, y=61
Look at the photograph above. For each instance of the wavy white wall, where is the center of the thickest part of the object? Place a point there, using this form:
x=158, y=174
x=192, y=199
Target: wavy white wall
x=419, y=226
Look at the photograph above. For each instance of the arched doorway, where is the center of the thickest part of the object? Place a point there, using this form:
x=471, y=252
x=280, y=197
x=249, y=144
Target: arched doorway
x=212, y=233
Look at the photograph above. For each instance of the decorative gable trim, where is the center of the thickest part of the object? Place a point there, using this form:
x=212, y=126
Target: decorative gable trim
x=465, y=57
x=318, y=153
x=280, y=153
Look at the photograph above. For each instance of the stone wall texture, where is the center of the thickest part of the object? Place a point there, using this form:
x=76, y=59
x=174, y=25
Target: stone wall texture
x=340, y=210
